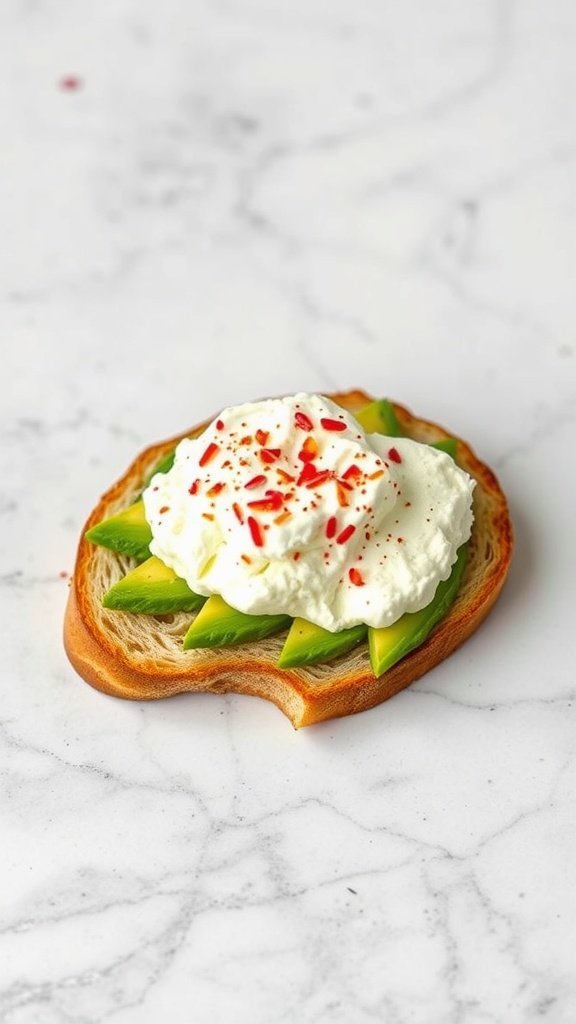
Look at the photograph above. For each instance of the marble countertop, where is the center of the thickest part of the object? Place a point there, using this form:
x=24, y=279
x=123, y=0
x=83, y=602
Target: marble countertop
x=212, y=201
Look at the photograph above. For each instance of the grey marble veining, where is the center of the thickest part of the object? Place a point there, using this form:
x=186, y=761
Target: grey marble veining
x=210, y=202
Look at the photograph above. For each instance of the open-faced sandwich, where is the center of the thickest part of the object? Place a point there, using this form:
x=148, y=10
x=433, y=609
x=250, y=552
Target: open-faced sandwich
x=321, y=552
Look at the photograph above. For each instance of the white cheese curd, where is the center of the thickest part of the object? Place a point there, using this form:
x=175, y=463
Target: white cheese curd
x=287, y=506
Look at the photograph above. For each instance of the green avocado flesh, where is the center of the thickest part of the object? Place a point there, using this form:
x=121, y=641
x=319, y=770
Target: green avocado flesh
x=391, y=643
x=307, y=644
x=448, y=445
x=379, y=418
x=164, y=466
x=154, y=589
x=128, y=532
x=219, y=625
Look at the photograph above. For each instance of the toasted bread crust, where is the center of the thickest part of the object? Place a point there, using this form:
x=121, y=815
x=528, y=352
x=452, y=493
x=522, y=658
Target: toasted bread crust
x=130, y=663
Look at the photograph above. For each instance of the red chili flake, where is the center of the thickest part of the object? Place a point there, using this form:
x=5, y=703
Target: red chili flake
x=207, y=515
x=285, y=477
x=246, y=440
x=216, y=489
x=367, y=535
x=377, y=475
x=165, y=508
x=308, y=473
x=345, y=534
x=247, y=559
x=320, y=478
x=400, y=540
x=394, y=455
x=255, y=532
x=303, y=421
x=271, y=503
x=269, y=455
x=209, y=454
x=296, y=556
x=219, y=425
x=255, y=482
x=262, y=436
x=193, y=489
x=70, y=83
x=331, y=527
x=329, y=424
x=238, y=513
x=226, y=464
x=341, y=494
x=355, y=577
x=308, y=451
x=282, y=518
x=352, y=473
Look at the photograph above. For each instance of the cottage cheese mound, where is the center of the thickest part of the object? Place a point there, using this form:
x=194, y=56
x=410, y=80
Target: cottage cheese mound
x=287, y=506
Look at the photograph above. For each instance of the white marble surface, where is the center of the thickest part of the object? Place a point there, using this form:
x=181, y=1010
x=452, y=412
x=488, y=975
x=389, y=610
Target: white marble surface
x=244, y=197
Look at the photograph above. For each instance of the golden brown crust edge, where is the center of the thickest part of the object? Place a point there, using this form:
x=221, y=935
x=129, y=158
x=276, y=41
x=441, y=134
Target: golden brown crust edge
x=296, y=692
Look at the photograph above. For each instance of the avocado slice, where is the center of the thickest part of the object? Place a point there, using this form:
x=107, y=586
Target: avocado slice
x=219, y=625
x=154, y=589
x=379, y=418
x=127, y=532
x=448, y=445
x=308, y=644
x=391, y=643
x=164, y=466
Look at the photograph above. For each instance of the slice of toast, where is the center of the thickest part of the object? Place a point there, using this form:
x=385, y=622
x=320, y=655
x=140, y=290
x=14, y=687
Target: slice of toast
x=141, y=656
